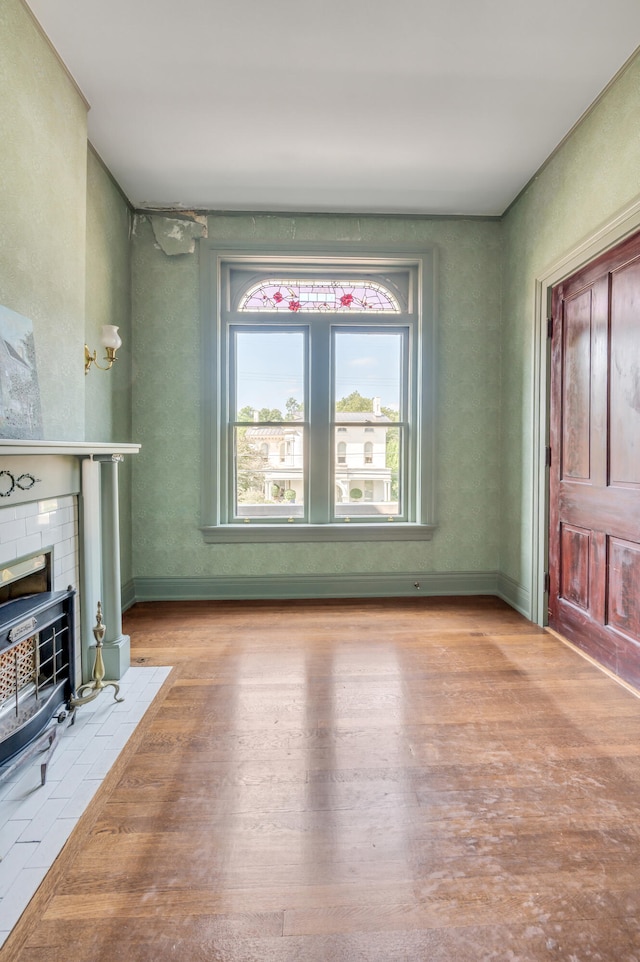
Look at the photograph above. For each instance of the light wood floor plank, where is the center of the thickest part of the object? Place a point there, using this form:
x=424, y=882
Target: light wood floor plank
x=383, y=781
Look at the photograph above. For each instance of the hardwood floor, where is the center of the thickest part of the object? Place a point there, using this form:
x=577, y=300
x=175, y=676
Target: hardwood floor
x=394, y=780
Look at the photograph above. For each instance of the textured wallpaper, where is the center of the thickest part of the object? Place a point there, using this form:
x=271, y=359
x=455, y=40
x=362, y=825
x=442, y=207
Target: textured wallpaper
x=108, y=301
x=594, y=174
x=64, y=263
x=167, y=416
x=43, y=150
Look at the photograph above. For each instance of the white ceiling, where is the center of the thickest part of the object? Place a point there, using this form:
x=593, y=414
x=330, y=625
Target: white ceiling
x=411, y=106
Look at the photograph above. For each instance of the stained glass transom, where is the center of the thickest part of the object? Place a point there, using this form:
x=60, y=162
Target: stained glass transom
x=287, y=296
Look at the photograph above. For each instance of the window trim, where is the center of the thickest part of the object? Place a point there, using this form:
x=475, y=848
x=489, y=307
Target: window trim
x=214, y=259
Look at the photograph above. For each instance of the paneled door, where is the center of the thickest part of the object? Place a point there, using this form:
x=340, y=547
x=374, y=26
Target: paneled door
x=594, y=510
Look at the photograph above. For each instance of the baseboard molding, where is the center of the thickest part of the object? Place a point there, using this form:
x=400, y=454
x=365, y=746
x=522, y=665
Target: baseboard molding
x=317, y=586
x=128, y=595
x=593, y=661
x=514, y=594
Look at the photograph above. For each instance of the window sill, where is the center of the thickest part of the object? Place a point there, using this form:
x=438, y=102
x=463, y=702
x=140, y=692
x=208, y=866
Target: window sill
x=270, y=533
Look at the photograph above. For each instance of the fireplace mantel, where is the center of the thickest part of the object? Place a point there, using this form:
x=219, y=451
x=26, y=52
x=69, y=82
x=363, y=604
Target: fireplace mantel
x=79, y=449
x=31, y=471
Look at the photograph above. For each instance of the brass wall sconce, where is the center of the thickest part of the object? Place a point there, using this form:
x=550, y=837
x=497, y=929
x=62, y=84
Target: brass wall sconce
x=110, y=341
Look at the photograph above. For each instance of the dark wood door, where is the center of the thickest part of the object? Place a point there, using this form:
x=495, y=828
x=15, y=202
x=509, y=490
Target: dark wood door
x=594, y=534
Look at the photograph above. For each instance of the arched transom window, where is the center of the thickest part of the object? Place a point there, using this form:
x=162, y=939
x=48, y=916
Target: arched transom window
x=357, y=297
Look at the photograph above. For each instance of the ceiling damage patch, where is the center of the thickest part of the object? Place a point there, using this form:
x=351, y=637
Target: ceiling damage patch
x=178, y=234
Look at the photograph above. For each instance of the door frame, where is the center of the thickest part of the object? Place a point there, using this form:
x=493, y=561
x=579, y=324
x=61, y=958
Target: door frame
x=607, y=236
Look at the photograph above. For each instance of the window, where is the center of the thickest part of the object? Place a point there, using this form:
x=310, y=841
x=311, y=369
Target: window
x=303, y=349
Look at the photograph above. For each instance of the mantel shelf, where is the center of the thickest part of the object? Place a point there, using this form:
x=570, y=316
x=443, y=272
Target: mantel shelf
x=80, y=449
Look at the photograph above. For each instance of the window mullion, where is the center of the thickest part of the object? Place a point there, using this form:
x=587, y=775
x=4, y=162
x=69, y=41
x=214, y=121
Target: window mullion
x=320, y=446
x=226, y=476
x=409, y=453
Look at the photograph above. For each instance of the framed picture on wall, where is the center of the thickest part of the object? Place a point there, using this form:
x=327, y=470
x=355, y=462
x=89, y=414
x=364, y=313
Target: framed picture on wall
x=20, y=409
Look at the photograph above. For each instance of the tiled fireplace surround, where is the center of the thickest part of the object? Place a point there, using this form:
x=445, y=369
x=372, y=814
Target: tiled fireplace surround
x=63, y=496
x=42, y=525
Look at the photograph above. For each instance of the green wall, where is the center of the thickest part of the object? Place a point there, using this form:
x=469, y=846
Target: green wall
x=64, y=243
x=167, y=415
x=43, y=158
x=593, y=175
x=65, y=262
x=108, y=301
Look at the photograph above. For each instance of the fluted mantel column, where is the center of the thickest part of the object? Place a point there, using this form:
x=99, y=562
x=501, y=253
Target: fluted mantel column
x=100, y=539
x=115, y=651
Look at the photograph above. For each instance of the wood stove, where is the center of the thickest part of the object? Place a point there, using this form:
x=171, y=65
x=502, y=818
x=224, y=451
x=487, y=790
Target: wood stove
x=37, y=673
